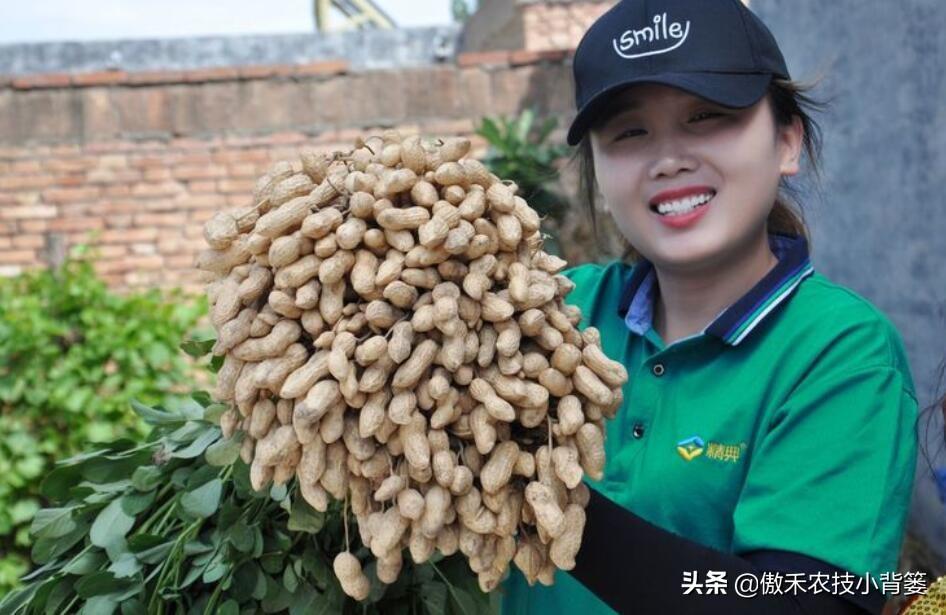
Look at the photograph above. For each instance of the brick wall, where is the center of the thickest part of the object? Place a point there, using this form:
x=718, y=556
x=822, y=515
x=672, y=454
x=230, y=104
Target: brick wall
x=533, y=25
x=134, y=163
x=558, y=25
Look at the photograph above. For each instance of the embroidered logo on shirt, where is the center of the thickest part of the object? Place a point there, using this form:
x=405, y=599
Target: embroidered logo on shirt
x=694, y=446
x=691, y=448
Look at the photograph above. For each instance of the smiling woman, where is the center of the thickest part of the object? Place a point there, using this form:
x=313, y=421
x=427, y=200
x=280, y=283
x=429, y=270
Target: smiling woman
x=769, y=418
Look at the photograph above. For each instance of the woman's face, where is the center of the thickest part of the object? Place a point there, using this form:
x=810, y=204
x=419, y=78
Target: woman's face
x=663, y=139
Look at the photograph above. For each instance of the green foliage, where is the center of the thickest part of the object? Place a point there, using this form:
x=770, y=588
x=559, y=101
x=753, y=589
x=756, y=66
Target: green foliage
x=72, y=356
x=520, y=151
x=173, y=526
x=462, y=9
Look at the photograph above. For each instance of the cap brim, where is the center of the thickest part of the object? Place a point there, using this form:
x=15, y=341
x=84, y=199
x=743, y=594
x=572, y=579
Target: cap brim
x=736, y=90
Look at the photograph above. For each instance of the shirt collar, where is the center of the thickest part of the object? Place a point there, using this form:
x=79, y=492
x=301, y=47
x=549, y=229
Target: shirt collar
x=734, y=323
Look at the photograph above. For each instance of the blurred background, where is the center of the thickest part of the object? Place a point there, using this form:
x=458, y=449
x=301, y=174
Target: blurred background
x=125, y=125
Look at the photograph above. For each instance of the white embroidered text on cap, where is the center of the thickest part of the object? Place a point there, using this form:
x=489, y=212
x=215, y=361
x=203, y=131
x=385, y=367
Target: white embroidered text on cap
x=661, y=30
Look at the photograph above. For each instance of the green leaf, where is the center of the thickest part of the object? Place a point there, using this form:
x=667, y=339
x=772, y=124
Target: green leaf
x=100, y=605
x=133, y=607
x=98, y=584
x=198, y=446
x=135, y=503
x=46, y=549
x=277, y=598
x=434, y=597
x=198, y=348
x=126, y=565
x=279, y=492
x=111, y=525
x=155, y=417
x=86, y=563
x=230, y=607
x=303, y=600
x=146, y=478
x=57, y=483
x=223, y=452
x=203, y=501
x=289, y=580
x=304, y=518
x=53, y=522
x=241, y=537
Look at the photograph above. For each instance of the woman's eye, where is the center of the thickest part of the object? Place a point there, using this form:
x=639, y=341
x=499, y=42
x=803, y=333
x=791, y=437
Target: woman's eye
x=626, y=133
x=706, y=114
x=696, y=118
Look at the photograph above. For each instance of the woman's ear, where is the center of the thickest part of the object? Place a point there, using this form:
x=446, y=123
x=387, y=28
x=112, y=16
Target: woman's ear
x=790, y=139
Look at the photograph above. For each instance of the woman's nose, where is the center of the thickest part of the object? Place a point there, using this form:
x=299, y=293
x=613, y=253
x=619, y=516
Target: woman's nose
x=670, y=159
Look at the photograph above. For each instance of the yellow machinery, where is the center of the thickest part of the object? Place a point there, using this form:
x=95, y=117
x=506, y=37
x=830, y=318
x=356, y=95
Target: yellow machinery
x=356, y=14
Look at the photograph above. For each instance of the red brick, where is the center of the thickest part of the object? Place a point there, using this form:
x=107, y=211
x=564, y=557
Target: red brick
x=48, y=80
x=113, y=161
x=201, y=187
x=265, y=71
x=29, y=211
x=70, y=181
x=34, y=226
x=112, y=251
x=223, y=73
x=11, y=257
x=201, y=201
x=157, y=174
x=156, y=190
x=179, y=261
x=101, y=78
x=170, y=204
x=146, y=262
x=199, y=172
x=142, y=249
x=243, y=170
x=119, y=221
x=155, y=77
x=25, y=182
x=31, y=167
x=169, y=219
x=329, y=67
x=521, y=57
x=6, y=243
x=119, y=190
x=199, y=216
x=242, y=155
x=68, y=165
x=112, y=176
x=7, y=228
x=119, y=206
x=236, y=186
x=29, y=241
x=76, y=224
x=478, y=58
x=71, y=195
x=134, y=235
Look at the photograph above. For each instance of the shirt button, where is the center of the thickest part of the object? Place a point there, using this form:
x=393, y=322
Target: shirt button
x=638, y=430
x=659, y=369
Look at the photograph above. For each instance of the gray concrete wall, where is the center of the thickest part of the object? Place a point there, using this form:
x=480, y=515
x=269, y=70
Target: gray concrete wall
x=364, y=49
x=880, y=227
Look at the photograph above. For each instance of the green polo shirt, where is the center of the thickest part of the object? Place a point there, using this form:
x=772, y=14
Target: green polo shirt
x=787, y=424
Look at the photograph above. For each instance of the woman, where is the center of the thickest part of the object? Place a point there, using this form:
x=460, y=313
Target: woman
x=769, y=420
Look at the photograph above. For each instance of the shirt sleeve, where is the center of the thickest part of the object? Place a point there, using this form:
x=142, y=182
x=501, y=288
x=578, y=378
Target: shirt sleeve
x=832, y=476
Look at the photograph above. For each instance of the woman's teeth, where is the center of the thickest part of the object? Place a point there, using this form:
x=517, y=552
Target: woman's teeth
x=683, y=206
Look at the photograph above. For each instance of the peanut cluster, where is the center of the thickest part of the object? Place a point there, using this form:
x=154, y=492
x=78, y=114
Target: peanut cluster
x=395, y=337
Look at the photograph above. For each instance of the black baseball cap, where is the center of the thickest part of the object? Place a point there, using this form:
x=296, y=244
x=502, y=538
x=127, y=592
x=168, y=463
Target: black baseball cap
x=716, y=49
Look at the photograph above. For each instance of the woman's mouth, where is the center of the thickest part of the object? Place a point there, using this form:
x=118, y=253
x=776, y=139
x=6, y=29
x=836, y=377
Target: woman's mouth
x=681, y=213
x=681, y=207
